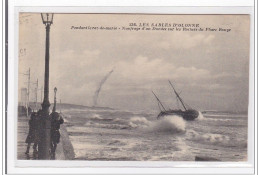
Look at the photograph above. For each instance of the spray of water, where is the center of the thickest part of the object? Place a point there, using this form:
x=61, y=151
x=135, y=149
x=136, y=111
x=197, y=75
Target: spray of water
x=200, y=117
x=168, y=124
x=100, y=87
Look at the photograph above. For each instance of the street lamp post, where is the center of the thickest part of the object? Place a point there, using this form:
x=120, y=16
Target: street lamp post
x=45, y=128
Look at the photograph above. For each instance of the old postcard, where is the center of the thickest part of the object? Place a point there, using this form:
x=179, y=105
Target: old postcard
x=133, y=87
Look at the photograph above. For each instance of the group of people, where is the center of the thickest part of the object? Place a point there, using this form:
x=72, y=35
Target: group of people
x=36, y=125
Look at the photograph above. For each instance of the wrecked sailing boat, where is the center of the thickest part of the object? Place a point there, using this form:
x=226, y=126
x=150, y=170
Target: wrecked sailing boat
x=187, y=114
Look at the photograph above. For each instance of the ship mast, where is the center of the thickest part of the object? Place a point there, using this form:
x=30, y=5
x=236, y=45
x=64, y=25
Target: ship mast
x=178, y=96
x=159, y=101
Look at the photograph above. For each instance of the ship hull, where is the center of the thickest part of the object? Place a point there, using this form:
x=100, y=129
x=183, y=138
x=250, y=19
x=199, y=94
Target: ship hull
x=186, y=115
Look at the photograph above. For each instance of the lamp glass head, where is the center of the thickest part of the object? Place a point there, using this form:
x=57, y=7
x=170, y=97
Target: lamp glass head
x=55, y=89
x=47, y=18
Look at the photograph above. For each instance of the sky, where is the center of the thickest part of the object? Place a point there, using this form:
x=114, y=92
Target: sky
x=209, y=69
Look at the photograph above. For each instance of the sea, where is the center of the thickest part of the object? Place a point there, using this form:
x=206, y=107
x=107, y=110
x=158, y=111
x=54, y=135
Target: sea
x=120, y=135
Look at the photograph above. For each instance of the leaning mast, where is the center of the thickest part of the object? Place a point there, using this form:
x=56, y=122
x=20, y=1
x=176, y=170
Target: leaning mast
x=177, y=95
x=159, y=101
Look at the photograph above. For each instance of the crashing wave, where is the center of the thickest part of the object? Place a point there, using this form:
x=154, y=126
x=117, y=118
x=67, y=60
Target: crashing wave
x=95, y=117
x=169, y=124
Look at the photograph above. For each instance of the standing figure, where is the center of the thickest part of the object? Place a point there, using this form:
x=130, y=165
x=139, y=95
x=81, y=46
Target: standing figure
x=38, y=125
x=56, y=121
x=32, y=135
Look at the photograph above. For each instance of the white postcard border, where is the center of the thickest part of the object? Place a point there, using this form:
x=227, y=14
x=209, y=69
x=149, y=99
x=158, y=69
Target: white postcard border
x=97, y=167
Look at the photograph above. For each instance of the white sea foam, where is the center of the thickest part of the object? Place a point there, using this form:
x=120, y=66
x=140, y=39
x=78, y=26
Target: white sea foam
x=107, y=125
x=95, y=117
x=126, y=136
x=65, y=120
x=138, y=121
x=209, y=137
x=218, y=119
x=215, y=138
x=183, y=150
x=83, y=147
x=200, y=117
x=171, y=124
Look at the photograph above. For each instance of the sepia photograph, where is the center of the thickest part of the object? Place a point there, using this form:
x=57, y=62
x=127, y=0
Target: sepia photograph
x=133, y=87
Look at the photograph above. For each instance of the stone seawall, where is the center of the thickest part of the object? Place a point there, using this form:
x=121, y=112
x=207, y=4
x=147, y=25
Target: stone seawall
x=68, y=150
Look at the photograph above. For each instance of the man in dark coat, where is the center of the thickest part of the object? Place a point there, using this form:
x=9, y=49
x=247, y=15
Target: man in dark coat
x=56, y=121
x=32, y=136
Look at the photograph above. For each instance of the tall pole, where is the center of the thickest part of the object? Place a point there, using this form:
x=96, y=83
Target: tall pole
x=44, y=145
x=36, y=92
x=46, y=103
x=60, y=105
x=28, y=94
x=41, y=93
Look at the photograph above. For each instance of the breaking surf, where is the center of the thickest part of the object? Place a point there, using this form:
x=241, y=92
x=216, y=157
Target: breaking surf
x=124, y=135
